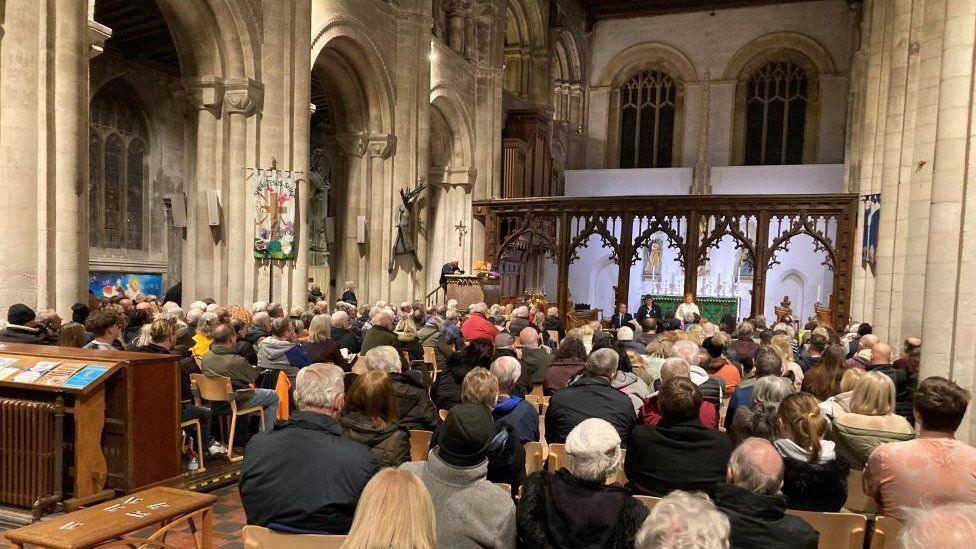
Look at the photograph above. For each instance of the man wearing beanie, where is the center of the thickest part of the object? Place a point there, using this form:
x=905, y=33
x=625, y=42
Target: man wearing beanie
x=470, y=511
x=22, y=326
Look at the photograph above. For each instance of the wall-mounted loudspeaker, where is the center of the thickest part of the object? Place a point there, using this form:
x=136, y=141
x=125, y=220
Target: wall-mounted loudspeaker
x=213, y=207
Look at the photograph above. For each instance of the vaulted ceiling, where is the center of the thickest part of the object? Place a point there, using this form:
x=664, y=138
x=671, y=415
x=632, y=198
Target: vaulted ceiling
x=630, y=8
x=139, y=32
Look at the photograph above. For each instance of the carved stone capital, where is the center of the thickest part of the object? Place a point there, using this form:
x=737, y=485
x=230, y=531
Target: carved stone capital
x=353, y=145
x=382, y=146
x=205, y=92
x=243, y=96
x=97, y=35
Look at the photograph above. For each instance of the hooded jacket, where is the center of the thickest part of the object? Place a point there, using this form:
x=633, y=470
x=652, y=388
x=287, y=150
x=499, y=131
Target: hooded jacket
x=561, y=510
x=536, y=361
x=857, y=435
x=629, y=384
x=390, y=445
x=414, y=406
x=513, y=410
x=477, y=326
x=761, y=521
x=559, y=373
x=820, y=486
x=221, y=360
x=303, y=474
x=675, y=455
x=278, y=354
x=23, y=334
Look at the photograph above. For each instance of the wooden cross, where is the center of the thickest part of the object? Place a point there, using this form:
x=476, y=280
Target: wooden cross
x=461, y=230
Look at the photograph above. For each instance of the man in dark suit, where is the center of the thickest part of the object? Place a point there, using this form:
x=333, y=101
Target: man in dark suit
x=621, y=317
x=448, y=270
x=648, y=309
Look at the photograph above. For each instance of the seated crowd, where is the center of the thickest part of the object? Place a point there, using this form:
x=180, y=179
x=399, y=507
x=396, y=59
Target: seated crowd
x=731, y=425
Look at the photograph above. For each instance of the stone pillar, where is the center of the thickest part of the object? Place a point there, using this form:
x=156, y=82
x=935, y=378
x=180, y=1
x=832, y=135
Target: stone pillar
x=350, y=263
x=241, y=99
x=380, y=233
x=206, y=95
x=69, y=182
x=455, y=23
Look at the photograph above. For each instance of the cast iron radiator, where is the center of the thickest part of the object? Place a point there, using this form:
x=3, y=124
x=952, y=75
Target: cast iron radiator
x=31, y=444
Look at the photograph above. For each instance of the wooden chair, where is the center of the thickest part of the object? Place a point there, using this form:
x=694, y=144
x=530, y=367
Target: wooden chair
x=621, y=477
x=430, y=357
x=442, y=413
x=419, y=443
x=200, y=451
x=837, y=530
x=857, y=500
x=557, y=457
x=535, y=457
x=534, y=400
x=259, y=537
x=885, y=532
x=648, y=501
x=219, y=389
x=544, y=405
x=553, y=335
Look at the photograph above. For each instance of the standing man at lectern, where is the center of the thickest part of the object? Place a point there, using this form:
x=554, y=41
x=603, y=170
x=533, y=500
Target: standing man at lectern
x=449, y=269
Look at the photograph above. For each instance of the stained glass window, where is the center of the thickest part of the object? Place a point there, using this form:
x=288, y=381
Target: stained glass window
x=133, y=196
x=776, y=109
x=647, y=105
x=112, y=194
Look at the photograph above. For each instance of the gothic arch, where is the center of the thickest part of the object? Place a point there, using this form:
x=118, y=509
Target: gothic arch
x=568, y=98
x=524, y=42
x=793, y=47
x=214, y=37
x=635, y=60
x=446, y=101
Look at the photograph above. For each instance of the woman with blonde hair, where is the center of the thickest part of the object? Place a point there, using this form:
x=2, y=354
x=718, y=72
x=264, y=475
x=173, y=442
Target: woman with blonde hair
x=320, y=345
x=406, y=331
x=814, y=476
x=841, y=402
x=72, y=334
x=872, y=420
x=370, y=417
x=781, y=343
x=394, y=511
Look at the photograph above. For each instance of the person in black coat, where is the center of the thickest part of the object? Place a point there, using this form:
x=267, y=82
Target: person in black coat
x=621, y=317
x=446, y=392
x=679, y=453
x=343, y=334
x=303, y=475
x=591, y=396
x=414, y=407
x=447, y=270
x=751, y=501
x=349, y=293
x=648, y=309
x=22, y=326
x=575, y=507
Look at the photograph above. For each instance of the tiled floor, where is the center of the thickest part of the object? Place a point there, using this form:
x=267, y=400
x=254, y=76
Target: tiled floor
x=228, y=521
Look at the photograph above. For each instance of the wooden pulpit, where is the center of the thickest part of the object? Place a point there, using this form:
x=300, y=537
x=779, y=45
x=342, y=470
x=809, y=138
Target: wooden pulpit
x=470, y=289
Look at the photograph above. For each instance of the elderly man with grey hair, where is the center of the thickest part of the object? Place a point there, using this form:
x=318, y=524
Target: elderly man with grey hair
x=752, y=501
x=711, y=387
x=414, y=407
x=949, y=526
x=576, y=504
x=682, y=519
x=342, y=332
x=519, y=321
x=511, y=409
x=259, y=329
x=591, y=396
x=304, y=475
x=650, y=413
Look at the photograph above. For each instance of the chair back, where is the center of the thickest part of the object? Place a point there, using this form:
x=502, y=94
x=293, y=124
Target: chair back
x=857, y=500
x=430, y=357
x=553, y=335
x=535, y=401
x=885, y=533
x=544, y=405
x=419, y=443
x=621, y=476
x=213, y=388
x=259, y=537
x=557, y=457
x=648, y=501
x=535, y=457
x=837, y=530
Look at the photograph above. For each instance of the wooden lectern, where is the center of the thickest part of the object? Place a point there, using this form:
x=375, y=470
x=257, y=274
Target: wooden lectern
x=470, y=289
x=105, y=421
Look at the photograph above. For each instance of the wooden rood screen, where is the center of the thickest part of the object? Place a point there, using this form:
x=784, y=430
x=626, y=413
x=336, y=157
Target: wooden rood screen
x=761, y=226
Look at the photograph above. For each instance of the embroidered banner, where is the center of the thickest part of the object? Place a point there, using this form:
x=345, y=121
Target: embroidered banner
x=274, y=215
x=869, y=239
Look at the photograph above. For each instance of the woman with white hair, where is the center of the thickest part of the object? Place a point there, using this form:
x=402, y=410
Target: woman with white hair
x=575, y=507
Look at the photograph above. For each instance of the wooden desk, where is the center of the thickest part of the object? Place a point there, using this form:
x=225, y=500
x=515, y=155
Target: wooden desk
x=112, y=520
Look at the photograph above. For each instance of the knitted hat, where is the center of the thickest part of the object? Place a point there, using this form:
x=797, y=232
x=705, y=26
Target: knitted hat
x=464, y=438
x=625, y=334
x=20, y=314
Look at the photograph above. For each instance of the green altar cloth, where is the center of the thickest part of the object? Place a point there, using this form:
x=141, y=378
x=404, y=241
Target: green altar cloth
x=711, y=308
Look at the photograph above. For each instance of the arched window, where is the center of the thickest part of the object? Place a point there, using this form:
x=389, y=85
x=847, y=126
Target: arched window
x=647, y=115
x=776, y=111
x=116, y=169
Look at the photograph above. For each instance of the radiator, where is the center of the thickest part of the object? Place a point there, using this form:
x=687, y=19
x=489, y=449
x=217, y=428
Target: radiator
x=30, y=451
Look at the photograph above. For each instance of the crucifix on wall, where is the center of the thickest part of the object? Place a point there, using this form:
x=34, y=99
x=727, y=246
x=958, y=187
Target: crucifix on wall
x=461, y=231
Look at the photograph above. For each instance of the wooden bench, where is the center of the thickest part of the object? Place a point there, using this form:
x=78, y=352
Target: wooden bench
x=113, y=520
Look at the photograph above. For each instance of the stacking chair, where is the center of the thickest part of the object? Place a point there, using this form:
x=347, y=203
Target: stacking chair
x=837, y=530
x=557, y=457
x=259, y=537
x=430, y=357
x=219, y=389
x=857, y=500
x=535, y=457
x=200, y=451
x=885, y=532
x=554, y=336
x=419, y=443
x=648, y=501
x=534, y=400
x=621, y=477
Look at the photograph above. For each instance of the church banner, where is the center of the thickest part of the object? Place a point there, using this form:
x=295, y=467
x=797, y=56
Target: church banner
x=869, y=239
x=274, y=215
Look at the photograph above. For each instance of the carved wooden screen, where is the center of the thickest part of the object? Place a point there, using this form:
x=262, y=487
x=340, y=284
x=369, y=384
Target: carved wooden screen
x=760, y=225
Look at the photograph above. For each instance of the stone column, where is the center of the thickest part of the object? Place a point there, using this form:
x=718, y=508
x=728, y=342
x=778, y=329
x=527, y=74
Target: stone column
x=69, y=96
x=383, y=200
x=206, y=95
x=349, y=264
x=242, y=98
x=455, y=23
